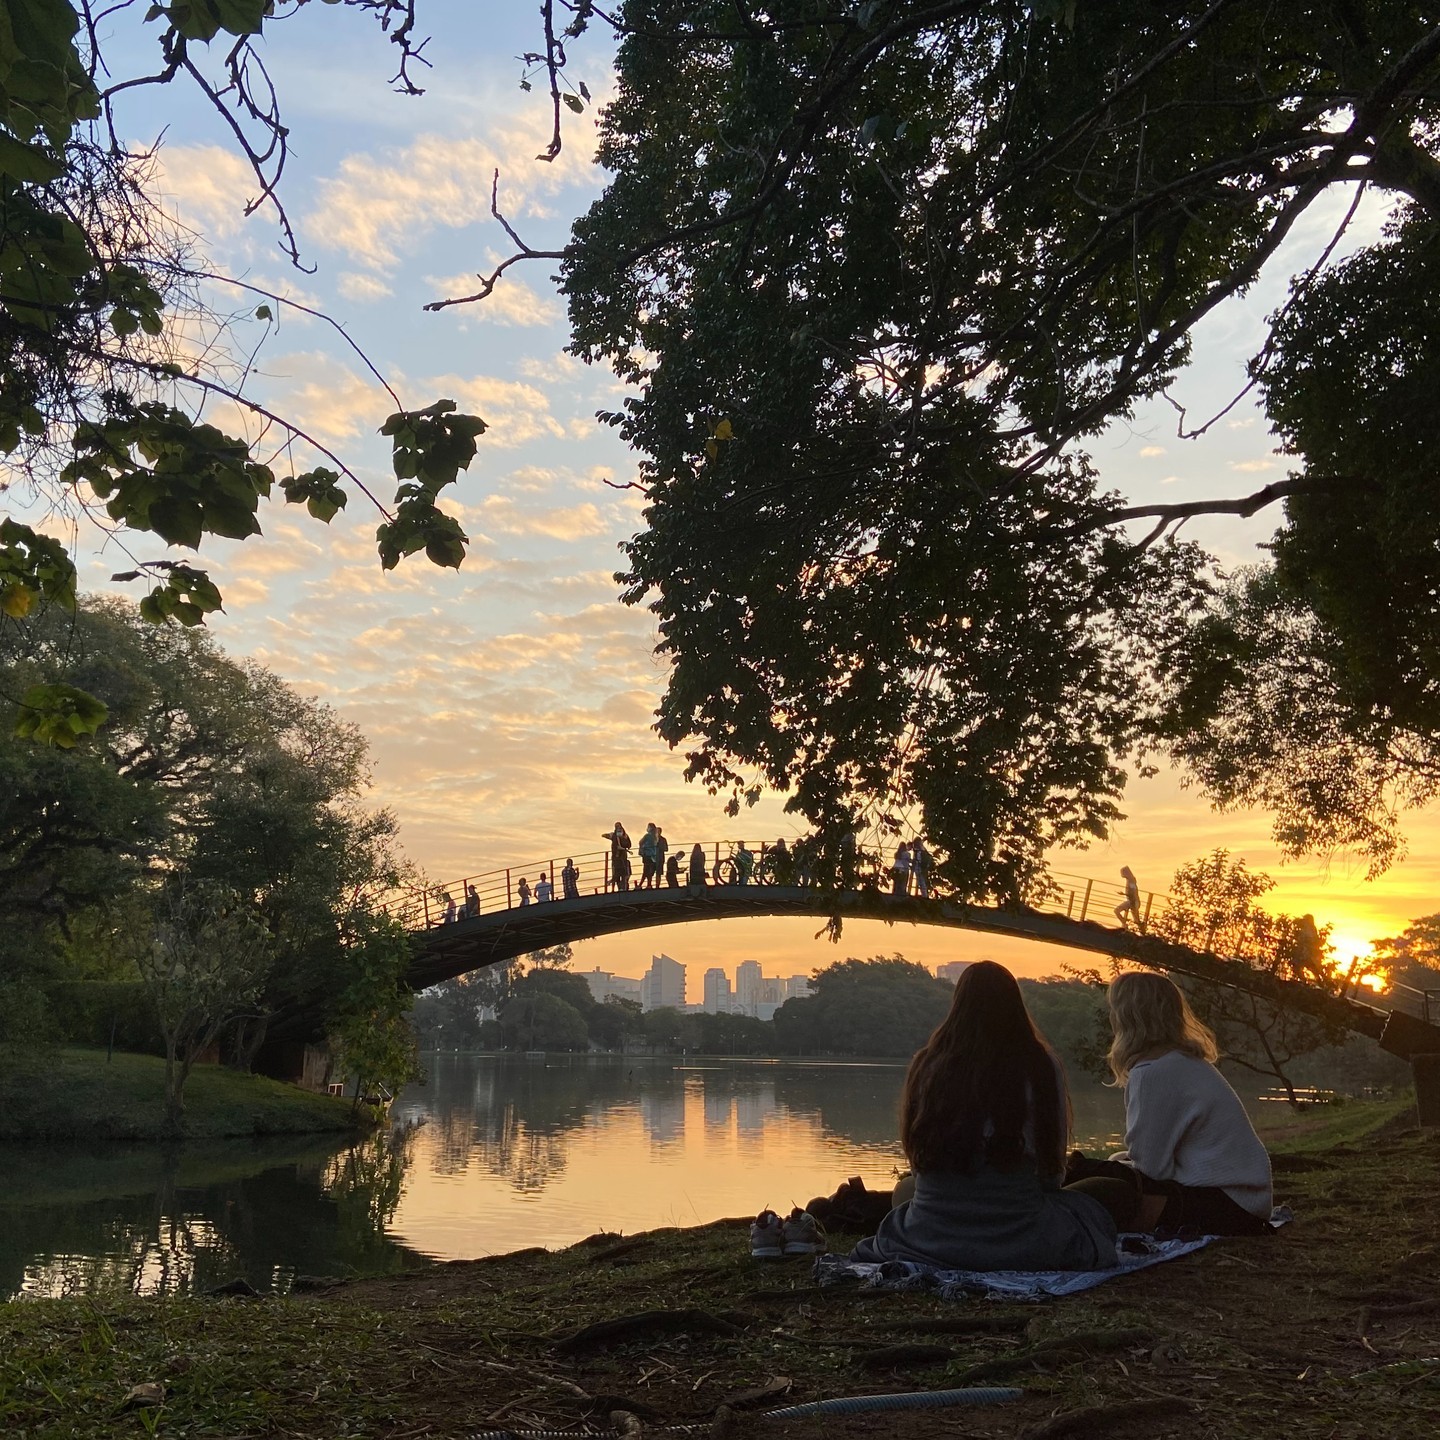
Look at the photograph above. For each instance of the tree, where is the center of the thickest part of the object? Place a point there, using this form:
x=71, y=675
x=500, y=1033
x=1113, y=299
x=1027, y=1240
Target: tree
x=1213, y=906
x=1413, y=957
x=614, y=1022
x=883, y=1006
x=667, y=1029
x=98, y=392
x=369, y=1020
x=874, y=275
x=202, y=956
x=542, y=1021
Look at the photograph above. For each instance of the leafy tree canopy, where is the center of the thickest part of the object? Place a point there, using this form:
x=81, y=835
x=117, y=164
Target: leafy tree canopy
x=875, y=275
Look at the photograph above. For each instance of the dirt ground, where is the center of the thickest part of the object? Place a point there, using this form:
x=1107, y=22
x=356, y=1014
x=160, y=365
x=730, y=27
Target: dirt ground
x=1330, y=1328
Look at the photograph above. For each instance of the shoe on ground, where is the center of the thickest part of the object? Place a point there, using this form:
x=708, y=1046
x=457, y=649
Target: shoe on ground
x=767, y=1237
x=802, y=1236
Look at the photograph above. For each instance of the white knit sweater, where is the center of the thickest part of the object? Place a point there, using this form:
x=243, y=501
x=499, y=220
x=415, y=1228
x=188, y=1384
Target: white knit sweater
x=1183, y=1122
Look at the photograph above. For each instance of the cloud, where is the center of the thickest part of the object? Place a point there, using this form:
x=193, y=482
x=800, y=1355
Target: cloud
x=206, y=186
x=1254, y=467
x=354, y=285
x=243, y=592
x=326, y=398
x=373, y=209
x=501, y=514
x=1149, y=452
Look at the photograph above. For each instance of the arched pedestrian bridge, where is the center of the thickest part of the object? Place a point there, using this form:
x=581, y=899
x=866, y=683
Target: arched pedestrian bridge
x=487, y=919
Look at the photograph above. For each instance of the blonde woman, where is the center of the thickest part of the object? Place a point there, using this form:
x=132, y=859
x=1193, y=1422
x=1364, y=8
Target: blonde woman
x=1192, y=1159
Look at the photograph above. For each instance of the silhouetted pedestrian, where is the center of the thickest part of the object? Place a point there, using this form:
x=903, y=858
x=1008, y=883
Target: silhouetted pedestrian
x=449, y=900
x=920, y=868
x=472, y=903
x=672, y=871
x=649, y=870
x=524, y=890
x=698, y=875
x=1129, y=908
x=782, y=864
x=570, y=881
x=544, y=890
x=619, y=856
x=900, y=870
x=662, y=846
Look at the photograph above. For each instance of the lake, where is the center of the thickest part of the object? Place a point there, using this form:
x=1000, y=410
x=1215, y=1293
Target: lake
x=493, y=1153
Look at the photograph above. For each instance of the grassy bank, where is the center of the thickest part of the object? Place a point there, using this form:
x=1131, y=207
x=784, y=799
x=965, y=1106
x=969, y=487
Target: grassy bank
x=77, y=1095
x=1305, y=1333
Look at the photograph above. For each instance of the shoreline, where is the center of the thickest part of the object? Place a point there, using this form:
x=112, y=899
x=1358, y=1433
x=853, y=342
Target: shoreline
x=70, y=1095
x=1325, y=1329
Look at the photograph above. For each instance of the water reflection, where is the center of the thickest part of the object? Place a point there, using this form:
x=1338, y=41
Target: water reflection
x=494, y=1153
x=523, y=1152
x=151, y=1220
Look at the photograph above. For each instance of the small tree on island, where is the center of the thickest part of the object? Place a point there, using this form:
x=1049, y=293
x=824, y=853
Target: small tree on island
x=203, y=957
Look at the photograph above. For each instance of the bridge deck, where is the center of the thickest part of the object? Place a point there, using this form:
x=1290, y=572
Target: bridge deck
x=465, y=944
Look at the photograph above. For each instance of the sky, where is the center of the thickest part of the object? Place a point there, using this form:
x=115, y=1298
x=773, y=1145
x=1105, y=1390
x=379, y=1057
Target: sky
x=508, y=705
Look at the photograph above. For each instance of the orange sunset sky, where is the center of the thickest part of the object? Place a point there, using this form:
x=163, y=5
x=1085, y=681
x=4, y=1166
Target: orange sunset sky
x=508, y=705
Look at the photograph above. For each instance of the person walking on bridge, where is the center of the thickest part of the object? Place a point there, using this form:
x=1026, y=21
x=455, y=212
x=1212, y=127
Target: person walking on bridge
x=524, y=891
x=472, y=902
x=570, y=881
x=672, y=871
x=662, y=845
x=544, y=890
x=1130, y=905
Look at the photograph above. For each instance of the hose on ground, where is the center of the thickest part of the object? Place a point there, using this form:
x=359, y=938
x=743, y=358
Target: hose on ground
x=840, y=1405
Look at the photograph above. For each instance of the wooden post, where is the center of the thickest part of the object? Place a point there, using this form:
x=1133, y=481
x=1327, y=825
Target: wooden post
x=1145, y=922
x=1426, y=1070
x=1085, y=903
x=1070, y=905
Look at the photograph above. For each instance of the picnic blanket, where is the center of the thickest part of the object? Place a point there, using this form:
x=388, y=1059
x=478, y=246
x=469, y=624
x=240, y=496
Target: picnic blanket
x=1136, y=1252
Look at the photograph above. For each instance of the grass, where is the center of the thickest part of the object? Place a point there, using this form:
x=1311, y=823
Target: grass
x=76, y=1095
x=1248, y=1339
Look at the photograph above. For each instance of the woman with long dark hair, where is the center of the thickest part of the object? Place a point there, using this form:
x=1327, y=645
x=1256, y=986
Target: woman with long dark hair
x=984, y=1122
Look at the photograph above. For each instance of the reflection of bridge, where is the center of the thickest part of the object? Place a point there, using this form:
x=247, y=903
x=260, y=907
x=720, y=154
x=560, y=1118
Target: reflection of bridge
x=500, y=926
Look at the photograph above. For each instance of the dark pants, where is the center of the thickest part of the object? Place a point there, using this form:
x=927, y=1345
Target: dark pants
x=1189, y=1209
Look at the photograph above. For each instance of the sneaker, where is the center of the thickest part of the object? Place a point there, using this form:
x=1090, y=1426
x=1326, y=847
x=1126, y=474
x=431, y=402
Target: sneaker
x=767, y=1237
x=802, y=1235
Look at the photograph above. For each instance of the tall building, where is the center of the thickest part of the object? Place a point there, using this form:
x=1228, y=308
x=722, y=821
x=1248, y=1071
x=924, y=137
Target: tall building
x=749, y=987
x=797, y=987
x=718, y=999
x=603, y=985
x=951, y=970
x=663, y=984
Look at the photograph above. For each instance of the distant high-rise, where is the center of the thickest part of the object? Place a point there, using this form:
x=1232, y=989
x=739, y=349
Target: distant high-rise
x=951, y=970
x=718, y=998
x=663, y=984
x=749, y=987
x=797, y=987
x=603, y=985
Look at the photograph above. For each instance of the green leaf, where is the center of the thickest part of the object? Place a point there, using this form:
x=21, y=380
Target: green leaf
x=28, y=163
x=58, y=715
x=263, y=312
